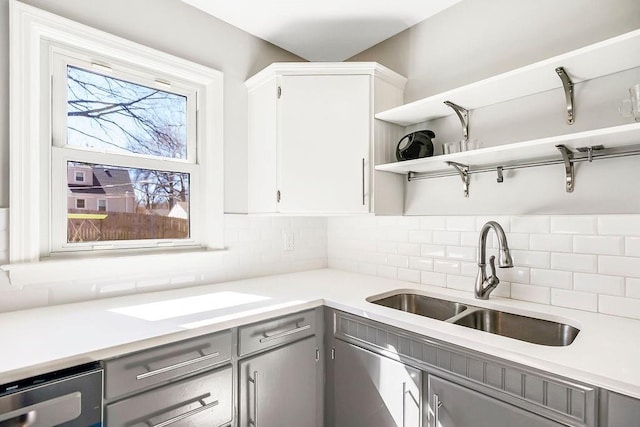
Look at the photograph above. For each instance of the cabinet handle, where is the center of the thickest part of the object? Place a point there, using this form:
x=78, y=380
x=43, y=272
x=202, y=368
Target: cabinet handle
x=177, y=366
x=186, y=414
x=254, y=380
x=436, y=410
x=404, y=406
x=363, y=181
x=284, y=334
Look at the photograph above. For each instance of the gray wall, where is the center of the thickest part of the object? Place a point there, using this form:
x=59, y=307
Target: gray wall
x=476, y=39
x=176, y=28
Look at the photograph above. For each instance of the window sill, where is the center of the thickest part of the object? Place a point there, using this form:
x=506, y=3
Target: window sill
x=111, y=267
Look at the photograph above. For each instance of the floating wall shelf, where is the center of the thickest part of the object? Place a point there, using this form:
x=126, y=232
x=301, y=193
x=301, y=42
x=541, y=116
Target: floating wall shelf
x=519, y=152
x=600, y=59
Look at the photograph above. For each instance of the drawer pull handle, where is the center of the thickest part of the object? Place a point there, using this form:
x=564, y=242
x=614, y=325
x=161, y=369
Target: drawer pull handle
x=284, y=334
x=254, y=422
x=437, y=403
x=186, y=414
x=177, y=366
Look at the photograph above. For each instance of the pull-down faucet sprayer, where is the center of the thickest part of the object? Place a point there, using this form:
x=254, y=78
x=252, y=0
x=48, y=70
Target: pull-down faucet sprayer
x=485, y=285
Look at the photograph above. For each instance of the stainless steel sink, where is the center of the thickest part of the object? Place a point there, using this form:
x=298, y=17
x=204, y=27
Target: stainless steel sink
x=522, y=328
x=422, y=305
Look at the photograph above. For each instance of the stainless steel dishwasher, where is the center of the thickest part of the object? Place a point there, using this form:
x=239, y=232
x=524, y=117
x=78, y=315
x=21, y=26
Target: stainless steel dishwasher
x=70, y=398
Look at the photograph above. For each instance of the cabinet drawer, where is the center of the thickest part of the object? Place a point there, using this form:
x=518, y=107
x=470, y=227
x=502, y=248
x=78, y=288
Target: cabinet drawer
x=204, y=400
x=272, y=333
x=147, y=368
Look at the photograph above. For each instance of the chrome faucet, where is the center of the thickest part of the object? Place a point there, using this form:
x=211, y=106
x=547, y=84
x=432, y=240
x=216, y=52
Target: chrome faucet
x=485, y=285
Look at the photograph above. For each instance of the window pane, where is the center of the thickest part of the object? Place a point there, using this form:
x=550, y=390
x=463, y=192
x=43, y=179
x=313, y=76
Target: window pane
x=126, y=204
x=109, y=114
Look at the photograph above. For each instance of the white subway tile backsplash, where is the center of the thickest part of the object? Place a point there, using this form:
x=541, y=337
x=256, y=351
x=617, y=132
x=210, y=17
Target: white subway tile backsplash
x=388, y=247
x=598, y=284
x=531, y=293
x=462, y=283
x=599, y=245
x=504, y=221
x=566, y=260
x=446, y=237
x=514, y=274
x=401, y=261
x=411, y=249
x=551, y=278
x=573, y=225
x=468, y=238
x=551, y=242
x=632, y=246
x=574, y=262
x=515, y=241
x=435, y=251
x=619, y=225
x=446, y=266
x=620, y=266
x=572, y=299
x=368, y=268
x=469, y=269
x=433, y=223
x=461, y=223
x=619, y=306
x=632, y=288
x=531, y=259
x=461, y=253
x=388, y=272
x=421, y=236
x=424, y=264
x=433, y=279
x=530, y=224
x=398, y=235
x=409, y=275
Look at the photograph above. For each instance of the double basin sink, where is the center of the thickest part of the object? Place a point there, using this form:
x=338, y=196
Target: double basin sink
x=529, y=329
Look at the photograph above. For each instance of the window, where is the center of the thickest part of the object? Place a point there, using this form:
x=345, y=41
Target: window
x=129, y=135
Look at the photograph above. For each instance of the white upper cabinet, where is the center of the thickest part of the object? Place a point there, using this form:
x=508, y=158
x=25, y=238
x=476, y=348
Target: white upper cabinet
x=311, y=135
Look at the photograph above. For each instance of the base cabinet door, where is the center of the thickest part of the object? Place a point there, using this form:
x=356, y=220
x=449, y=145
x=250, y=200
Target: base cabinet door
x=370, y=390
x=453, y=405
x=281, y=388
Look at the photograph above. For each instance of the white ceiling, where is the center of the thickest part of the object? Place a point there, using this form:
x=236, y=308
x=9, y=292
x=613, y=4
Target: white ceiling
x=323, y=30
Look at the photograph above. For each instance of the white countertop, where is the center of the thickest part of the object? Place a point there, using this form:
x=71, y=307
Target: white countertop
x=606, y=352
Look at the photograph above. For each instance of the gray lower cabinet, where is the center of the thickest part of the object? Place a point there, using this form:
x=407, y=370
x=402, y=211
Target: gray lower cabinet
x=617, y=410
x=453, y=405
x=369, y=390
x=186, y=383
x=280, y=387
x=203, y=400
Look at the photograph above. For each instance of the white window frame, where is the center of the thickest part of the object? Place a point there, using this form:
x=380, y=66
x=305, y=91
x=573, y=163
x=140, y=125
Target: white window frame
x=37, y=186
x=106, y=205
x=79, y=173
x=84, y=202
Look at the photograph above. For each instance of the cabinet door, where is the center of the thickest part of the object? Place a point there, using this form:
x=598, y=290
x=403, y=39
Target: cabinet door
x=281, y=387
x=619, y=410
x=372, y=390
x=453, y=405
x=325, y=126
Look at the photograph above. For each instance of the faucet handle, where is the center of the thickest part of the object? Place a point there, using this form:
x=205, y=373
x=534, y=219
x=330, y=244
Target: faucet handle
x=492, y=264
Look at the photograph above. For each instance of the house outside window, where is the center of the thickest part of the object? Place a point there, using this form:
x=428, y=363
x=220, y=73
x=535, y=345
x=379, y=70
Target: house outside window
x=136, y=133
